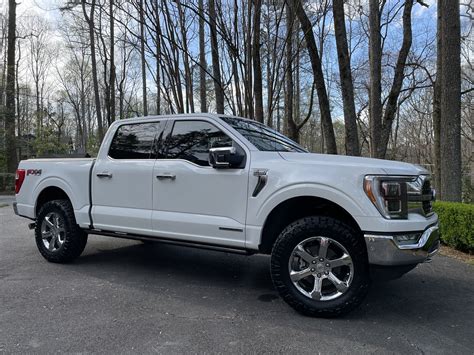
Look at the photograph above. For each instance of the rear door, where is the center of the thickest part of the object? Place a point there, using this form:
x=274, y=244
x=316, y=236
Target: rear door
x=122, y=179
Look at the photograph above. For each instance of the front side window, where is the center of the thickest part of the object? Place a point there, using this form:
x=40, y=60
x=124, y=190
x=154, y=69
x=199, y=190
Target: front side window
x=263, y=137
x=135, y=141
x=191, y=140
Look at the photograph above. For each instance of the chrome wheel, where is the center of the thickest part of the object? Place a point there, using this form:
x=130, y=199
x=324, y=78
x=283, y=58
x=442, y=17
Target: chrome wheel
x=53, y=232
x=321, y=268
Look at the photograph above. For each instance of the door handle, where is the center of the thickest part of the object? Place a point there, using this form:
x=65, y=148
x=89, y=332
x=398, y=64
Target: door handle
x=104, y=174
x=166, y=176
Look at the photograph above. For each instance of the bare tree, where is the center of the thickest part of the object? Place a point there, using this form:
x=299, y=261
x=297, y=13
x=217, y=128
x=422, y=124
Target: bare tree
x=324, y=106
x=290, y=130
x=215, y=58
x=450, y=100
x=257, y=67
x=375, y=74
x=345, y=73
x=89, y=17
x=9, y=115
x=112, y=63
x=202, y=59
x=142, y=56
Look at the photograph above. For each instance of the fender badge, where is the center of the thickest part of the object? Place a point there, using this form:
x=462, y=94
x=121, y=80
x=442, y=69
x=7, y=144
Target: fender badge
x=35, y=172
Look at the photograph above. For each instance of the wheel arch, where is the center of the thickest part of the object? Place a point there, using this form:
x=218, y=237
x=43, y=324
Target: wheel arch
x=50, y=193
x=294, y=208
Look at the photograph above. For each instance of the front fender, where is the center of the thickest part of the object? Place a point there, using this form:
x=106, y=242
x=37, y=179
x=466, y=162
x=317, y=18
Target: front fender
x=354, y=207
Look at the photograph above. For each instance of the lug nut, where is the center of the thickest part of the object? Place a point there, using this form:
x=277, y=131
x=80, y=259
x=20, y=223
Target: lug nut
x=326, y=272
x=314, y=261
x=319, y=275
x=321, y=259
x=327, y=264
x=312, y=270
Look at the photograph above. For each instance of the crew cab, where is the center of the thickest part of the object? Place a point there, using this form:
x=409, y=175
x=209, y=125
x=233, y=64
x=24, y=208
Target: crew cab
x=235, y=185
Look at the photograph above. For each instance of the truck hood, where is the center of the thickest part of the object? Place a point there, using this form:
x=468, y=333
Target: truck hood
x=365, y=165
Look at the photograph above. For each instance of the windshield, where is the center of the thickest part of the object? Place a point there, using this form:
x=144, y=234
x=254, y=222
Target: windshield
x=263, y=137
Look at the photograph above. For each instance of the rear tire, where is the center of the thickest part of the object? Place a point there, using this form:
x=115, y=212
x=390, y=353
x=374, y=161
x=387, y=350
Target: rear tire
x=58, y=237
x=328, y=264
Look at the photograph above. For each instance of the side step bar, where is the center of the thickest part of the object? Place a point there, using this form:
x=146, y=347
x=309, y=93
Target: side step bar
x=171, y=242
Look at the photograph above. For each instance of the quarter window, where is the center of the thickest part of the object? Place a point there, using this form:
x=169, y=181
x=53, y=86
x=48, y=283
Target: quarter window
x=136, y=141
x=191, y=140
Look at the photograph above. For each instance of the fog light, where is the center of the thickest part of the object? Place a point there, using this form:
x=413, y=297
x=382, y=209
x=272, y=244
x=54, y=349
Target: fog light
x=409, y=238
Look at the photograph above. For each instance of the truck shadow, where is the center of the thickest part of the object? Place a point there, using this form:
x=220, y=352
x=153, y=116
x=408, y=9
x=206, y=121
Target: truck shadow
x=429, y=293
x=189, y=265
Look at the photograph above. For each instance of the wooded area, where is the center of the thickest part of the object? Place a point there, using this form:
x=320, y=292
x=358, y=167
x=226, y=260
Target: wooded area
x=389, y=79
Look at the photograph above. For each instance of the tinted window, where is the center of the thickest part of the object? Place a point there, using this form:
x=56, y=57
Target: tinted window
x=191, y=140
x=136, y=141
x=263, y=137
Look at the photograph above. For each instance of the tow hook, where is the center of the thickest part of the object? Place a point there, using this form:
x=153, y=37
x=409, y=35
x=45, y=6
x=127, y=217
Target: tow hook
x=32, y=225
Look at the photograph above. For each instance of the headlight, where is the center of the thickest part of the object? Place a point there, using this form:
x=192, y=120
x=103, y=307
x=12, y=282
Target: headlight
x=396, y=196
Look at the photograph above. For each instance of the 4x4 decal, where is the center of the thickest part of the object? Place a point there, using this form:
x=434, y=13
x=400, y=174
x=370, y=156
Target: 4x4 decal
x=35, y=172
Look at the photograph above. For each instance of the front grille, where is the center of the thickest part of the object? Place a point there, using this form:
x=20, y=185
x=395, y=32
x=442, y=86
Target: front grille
x=427, y=197
x=421, y=201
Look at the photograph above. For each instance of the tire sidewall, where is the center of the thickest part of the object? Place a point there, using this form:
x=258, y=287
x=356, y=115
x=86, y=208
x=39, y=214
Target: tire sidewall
x=73, y=238
x=325, y=227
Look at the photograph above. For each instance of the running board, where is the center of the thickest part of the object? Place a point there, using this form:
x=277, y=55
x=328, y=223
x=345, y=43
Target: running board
x=171, y=242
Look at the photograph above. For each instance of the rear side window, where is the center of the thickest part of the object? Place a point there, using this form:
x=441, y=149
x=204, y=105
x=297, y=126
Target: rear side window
x=191, y=140
x=136, y=141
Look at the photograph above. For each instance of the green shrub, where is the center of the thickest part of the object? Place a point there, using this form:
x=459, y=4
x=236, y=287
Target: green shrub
x=456, y=224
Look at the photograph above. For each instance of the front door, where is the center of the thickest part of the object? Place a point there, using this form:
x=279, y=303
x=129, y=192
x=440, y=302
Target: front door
x=192, y=200
x=122, y=180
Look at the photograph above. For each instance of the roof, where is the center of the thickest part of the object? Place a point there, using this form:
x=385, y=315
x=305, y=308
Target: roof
x=174, y=116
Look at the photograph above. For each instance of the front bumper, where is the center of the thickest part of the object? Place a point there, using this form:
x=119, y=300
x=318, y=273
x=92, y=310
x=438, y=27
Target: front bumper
x=384, y=249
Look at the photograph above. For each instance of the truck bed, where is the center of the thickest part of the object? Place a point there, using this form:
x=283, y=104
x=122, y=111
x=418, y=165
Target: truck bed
x=72, y=175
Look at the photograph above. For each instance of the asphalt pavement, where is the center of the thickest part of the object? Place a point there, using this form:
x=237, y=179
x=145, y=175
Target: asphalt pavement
x=127, y=297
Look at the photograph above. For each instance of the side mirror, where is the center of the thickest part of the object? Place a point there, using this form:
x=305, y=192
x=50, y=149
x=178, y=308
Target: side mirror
x=226, y=157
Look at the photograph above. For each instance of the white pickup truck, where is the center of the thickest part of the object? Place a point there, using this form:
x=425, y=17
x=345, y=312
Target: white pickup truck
x=235, y=185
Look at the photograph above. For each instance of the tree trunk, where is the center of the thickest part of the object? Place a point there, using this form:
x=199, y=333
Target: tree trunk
x=257, y=67
x=112, y=63
x=291, y=130
x=11, y=157
x=345, y=73
x=248, y=74
x=437, y=108
x=158, y=57
x=234, y=56
x=142, y=58
x=324, y=106
x=450, y=101
x=269, y=59
x=39, y=116
x=17, y=93
x=394, y=94
x=375, y=73
x=90, y=22
x=187, y=69
x=216, y=71
x=202, y=59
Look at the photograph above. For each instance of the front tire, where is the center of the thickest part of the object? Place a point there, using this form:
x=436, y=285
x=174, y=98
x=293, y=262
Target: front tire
x=58, y=237
x=319, y=267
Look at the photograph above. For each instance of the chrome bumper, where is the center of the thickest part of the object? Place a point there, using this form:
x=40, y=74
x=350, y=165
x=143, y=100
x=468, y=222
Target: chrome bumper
x=385, y=250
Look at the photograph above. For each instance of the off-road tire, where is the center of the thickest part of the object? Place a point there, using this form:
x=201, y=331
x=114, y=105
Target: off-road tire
x=307, y=227
x=75, y=238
